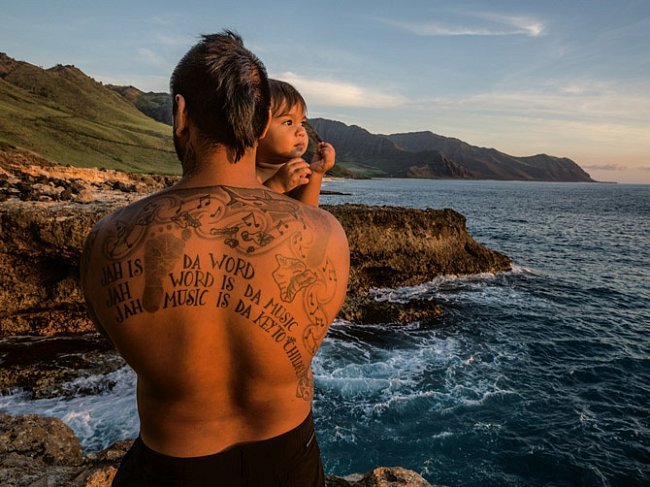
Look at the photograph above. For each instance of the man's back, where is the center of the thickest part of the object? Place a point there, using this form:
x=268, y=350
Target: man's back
x=218, y=297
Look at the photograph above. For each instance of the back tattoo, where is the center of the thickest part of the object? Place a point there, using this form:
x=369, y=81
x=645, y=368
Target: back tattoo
x=148, y=241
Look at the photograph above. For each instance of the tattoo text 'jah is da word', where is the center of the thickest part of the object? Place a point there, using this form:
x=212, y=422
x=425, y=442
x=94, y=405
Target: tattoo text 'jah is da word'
x=115, y=278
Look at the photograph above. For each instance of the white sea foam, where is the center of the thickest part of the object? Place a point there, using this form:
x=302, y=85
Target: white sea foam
x=430, y=374
x=406, y=293
x=344, y=434
x=519, y=269
x=442, y=435
x=482, y=426
x=97, y=419
x=484, y=288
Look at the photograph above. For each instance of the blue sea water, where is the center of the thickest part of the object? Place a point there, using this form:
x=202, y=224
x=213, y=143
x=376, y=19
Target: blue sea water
x=539, y=376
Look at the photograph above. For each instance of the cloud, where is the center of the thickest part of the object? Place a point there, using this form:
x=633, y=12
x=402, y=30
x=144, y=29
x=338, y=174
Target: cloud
x=515, y=24
x=340, y=93
x=156, y=83
x=605, y=167
x=606, y=125
x=580, y=101
x=174, y=40
x=152, y=58
x=488, y=25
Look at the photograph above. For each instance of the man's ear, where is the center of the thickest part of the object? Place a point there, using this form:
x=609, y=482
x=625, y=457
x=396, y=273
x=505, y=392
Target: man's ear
x=180, y=117
x=268, y=124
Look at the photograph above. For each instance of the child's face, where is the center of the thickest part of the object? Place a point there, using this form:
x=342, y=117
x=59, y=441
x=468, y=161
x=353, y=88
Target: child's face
x=286, y=137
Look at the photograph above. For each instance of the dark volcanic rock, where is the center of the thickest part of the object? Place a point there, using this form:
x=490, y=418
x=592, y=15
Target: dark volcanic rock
x=393, y=247
x=47, y=366
x=47, y=439
x=363, y=308
x=380, y=477
x=40, y=451
x=39, y=267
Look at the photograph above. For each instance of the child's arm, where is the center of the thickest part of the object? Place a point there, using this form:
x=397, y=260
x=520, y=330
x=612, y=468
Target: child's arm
x=324, y=160
x=291, y=175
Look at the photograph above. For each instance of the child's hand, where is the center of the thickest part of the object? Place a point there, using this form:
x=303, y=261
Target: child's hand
x=323, y=159
x=291, y=175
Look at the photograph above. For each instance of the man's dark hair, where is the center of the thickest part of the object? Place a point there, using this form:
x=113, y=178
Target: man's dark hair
x=284, y=95
x=226, y=91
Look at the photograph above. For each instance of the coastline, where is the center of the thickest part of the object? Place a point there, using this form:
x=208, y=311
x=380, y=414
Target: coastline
x=48, y=210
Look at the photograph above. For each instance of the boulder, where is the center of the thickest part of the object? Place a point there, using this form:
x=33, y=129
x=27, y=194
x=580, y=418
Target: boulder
x=363, y=308
x=48, y=366
x=36, y=451
x=47, y=440
x=380, y=477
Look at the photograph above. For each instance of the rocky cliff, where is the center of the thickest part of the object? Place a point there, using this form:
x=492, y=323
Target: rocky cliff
x=48, y=210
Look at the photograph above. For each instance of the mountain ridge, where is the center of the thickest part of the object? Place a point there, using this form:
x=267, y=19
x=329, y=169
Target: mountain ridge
x=428, y=155
x=357, y=146
x=492, y=162
x=155, y=105
x=65, y=115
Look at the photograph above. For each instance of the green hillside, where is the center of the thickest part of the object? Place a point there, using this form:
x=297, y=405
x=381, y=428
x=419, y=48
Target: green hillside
x=68, y=117
x=155, y=105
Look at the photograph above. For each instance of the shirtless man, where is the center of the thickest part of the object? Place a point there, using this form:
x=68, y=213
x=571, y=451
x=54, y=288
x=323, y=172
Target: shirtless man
x=218, y=292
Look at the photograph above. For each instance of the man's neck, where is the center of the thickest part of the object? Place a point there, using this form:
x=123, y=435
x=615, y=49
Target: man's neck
x=214, y=167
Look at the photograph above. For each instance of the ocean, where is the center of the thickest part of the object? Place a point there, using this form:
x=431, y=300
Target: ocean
x=535, y=377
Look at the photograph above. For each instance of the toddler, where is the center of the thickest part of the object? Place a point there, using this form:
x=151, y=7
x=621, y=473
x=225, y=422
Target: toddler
x=279, y=163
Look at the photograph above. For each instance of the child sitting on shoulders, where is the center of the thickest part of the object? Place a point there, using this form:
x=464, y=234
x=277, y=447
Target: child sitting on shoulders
x=279, y=164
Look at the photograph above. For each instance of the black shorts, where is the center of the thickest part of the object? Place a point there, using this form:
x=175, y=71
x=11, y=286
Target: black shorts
x=289, y=460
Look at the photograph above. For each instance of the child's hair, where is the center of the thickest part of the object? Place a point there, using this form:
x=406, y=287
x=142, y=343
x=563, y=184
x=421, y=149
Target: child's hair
x=283, y=95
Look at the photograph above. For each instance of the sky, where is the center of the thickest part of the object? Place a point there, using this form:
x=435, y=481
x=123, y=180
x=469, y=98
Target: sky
x=568, y=78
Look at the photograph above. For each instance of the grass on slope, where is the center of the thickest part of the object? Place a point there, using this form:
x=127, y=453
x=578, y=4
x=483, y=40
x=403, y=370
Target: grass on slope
x=362, y=170
x=71, y=119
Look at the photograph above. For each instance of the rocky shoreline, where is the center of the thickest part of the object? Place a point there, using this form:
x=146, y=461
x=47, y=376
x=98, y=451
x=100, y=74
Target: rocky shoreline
x=47, y=340
x=37, y=451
